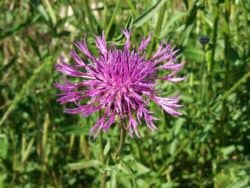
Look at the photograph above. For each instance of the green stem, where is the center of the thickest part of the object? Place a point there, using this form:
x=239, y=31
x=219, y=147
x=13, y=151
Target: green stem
x=158, y=26
x=214, y=39
x=117, y=5
x=203, y=82
x=102, y=159
x=105, y=14
x=160, y=20
x=121, y=142
x=224, y=114
x=50, y=11
x=88, y=14
x=211, y=62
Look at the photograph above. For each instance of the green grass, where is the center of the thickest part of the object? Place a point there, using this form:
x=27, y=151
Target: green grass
x=208, y=146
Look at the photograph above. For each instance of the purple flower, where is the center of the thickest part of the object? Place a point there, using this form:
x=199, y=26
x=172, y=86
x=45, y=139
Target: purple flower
x=119, y=82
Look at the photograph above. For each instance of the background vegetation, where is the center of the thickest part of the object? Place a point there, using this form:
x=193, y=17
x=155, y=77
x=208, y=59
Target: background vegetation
x=208, y=146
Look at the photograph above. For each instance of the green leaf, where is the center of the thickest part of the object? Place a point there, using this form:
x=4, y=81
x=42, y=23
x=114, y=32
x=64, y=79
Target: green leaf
x=241, y=183
x=192, y=14
x=43, y=12
x=186, y=3
x=142, y=169
x=228, y=150
x=193, y=54
x=173, y=146
x=2, y=178
x=144, y=17
x=74, y=130
x=106, y=148
x=170, y=185
x=115, y=11
x=50, y=11
x=178, y=126
x=84, y=164
x=3, y=146
x=170, y=23
x=113, y=180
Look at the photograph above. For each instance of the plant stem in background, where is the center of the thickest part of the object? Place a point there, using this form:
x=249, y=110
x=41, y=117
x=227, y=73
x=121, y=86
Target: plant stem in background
x=117, y=5
x=214, y=37
x=44, y=149
x=105, y=14
x=116, y=153
x=204, y=70
x=158, y=27
x=71, y=143
x=102, y=159
x=157, y=33
x=211, y=61
x=204, y=76
x=224, y=112
x=50, y=11
x=89, y=15
x=160, y=20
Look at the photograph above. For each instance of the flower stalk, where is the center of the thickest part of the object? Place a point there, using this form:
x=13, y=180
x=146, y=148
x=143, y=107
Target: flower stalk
x=121, y=142
x=102, y=159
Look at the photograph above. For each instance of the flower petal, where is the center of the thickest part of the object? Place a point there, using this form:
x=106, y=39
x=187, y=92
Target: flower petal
x=168, y=104
x=101, y=44
x=127, y=35
x=144, y=43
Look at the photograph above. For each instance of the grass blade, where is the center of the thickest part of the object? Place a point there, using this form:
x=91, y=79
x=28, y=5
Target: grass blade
x=48, y=62
x=148, y=13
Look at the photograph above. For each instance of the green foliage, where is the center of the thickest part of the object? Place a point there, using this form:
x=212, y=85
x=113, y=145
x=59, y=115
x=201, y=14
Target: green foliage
x=208, y=146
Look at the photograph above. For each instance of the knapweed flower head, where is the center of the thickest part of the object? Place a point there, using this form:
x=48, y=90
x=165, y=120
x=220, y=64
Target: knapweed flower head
x=119, y=82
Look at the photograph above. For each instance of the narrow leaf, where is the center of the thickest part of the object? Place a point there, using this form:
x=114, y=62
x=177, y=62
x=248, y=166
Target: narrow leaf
x=144, y=17
x=84, y=164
